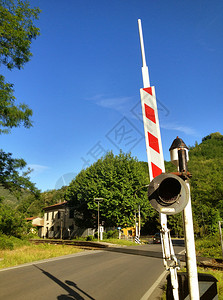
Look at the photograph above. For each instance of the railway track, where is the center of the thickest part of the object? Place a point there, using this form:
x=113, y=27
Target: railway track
x=86, y=245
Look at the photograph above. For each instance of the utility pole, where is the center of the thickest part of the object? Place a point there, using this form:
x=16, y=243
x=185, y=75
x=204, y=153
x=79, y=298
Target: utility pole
x=98, y=200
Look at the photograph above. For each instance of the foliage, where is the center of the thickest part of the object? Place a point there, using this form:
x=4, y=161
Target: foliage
x=209, y=246
x=90, y=238
x=12, y=115
x=112, y=234
x=53, y=196
x=175, y=223
x=12, y=223
x=118, y=180
x=5, y=243
x=11, y=242
x=10, y=177
x=206, y=165
x=17, y=31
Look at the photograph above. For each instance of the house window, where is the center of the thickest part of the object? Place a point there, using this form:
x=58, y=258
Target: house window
x=47, y=216
x=58, y=215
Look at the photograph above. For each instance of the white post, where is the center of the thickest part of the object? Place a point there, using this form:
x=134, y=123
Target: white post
x=220, y=232
x=190, y=251
x=98, y=222
x=101, y=232
x=145, y=72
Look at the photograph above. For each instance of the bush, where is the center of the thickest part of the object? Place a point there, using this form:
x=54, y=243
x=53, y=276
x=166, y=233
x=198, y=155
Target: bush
x=105, y=235
x=112, y=234
x=90, y=238
x=11, y=242
x=12, y=223
x=209, y=246
x=6, y=244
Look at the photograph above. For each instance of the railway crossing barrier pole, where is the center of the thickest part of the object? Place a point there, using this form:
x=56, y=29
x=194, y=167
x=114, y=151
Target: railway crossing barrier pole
x=155, y=155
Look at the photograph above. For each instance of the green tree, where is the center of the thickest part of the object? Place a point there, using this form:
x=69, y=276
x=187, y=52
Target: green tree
x=11, y=222
x=17, y=31
x=118, y=179
x=10, y=177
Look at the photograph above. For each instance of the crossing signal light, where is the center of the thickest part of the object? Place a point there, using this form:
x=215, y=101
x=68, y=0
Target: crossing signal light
x=168, y=194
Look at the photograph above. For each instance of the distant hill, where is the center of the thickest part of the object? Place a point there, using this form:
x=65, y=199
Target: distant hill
x=206, y=165
x=7, y=197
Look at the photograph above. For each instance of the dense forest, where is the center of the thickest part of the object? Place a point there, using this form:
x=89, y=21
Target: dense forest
x=120, y=180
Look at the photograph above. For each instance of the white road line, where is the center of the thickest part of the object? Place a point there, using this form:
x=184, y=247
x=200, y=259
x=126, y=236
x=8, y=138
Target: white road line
x=157, y=282
x=154, y=286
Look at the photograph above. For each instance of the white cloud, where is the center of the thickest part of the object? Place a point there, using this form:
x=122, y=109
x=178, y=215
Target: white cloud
x=117, y=103
x=181, y=128
x=37, y=169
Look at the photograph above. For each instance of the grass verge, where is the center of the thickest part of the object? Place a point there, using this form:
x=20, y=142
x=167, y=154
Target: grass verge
x=15, y=251
x=29, y=253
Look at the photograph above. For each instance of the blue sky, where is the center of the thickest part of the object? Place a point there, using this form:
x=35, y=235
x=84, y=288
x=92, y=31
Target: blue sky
x=84, y=78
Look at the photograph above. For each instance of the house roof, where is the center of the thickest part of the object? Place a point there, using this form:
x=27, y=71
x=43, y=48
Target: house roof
x=30, y=219
x=36, y=221
x=55, y=205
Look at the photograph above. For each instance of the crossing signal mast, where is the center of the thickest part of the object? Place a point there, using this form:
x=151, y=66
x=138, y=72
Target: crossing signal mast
x=168, y=193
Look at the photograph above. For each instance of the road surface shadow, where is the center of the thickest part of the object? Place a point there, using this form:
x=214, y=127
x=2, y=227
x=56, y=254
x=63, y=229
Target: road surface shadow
x=72, y=294
x=154, y=254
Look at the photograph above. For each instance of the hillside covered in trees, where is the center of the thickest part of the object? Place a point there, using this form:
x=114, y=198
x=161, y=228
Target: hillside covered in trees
x=121, y=181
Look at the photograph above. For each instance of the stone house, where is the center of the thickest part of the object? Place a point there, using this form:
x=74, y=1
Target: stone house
x=59, y=222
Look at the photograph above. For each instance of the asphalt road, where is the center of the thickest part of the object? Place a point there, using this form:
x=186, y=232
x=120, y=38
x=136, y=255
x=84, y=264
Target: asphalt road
x=117, y=274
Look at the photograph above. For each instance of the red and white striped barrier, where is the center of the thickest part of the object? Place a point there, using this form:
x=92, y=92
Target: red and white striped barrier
x=152, y=132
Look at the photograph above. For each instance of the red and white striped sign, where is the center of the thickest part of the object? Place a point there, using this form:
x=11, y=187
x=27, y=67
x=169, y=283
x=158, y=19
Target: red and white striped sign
x=152, y=132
